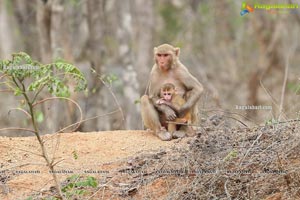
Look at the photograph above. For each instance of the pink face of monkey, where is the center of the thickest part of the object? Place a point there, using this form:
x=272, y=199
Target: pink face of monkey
x=167, y=94
x=165, y=55
x=164, y=61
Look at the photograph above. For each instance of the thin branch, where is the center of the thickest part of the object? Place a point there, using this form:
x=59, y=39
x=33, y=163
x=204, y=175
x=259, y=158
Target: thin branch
x=284, y=86
x=38, y=92
x=8, y=90
x=287, y=64
x=41, y=142
x=15, y=82
x=2, y=76
x=79, y=122
x=287, y=121
x=252, y=145
x=18, y=129
x=10, y=86
x=91, y=118
x=55, y=163
x=232, y=113
x=55, y=149
x=23, y=165
x=20, y=109
x=270, y=46
x=64, y=98
x=68, y=73
x=237, y=120
x=8, y=146
x=6, y=82
x=268, y=92
x=33, y=190
x=112, y=93
x=226, y=190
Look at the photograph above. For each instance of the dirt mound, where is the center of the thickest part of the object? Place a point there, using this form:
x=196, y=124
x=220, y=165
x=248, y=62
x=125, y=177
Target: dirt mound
x=221, y=162
x=26, y=173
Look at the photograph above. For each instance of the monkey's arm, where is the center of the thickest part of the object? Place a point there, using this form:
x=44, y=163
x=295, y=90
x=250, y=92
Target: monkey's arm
x=193, y=87
x=176, y=103
x=173, y=107
x=168, y=111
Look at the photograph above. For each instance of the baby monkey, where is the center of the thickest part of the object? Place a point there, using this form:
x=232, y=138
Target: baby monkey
x=169, y=97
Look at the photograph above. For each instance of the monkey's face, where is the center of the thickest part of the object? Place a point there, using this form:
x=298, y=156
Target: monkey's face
x=164, y=61
x=167, y=95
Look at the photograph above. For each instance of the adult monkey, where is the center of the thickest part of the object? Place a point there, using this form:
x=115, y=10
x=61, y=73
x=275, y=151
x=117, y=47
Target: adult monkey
x=168, y=69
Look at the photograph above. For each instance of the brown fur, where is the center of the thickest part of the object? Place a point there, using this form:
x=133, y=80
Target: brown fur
x=175, y=103
x=187, y=86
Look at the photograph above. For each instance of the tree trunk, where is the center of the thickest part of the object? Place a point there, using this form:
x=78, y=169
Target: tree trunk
x=25, y=13
x=268, y=37
x=143, y=19
x=96, y=103
x=131, y=86
x=6, y=36
x=44, y=28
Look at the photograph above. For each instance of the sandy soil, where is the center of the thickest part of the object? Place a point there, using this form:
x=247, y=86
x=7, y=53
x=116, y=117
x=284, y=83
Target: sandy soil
x=26, y=171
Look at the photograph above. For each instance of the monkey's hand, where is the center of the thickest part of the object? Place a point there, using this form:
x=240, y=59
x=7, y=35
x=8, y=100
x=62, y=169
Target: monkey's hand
x=183, y=110
x=168, y=111
x=160, y=101
x=170, y=114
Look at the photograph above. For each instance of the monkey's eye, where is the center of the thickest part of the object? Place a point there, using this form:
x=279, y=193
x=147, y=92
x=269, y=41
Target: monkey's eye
x=162, y=55
x=169, y=94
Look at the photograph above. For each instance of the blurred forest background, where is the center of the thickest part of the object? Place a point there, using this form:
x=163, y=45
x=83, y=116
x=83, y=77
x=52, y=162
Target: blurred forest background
x=239, y=60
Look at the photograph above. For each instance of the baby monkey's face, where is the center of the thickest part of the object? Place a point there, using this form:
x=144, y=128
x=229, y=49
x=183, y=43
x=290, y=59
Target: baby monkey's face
x=167, y=94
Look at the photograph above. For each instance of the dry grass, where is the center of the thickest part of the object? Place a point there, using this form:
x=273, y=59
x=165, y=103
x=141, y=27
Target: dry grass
x=221, y=162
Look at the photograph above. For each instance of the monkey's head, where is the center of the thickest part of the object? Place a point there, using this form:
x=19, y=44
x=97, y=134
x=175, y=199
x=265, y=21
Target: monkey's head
x=167, y=91
x=166, y=56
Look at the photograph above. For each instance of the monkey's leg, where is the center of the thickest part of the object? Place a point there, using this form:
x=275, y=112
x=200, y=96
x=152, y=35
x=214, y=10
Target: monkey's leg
x=151, y=119
x=181, y=120
x=188, y=130
x=191, y=118
x=177, y=133
x=171, y=128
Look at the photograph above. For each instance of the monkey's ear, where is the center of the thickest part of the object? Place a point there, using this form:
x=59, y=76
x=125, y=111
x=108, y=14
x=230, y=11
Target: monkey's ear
x=177, y=51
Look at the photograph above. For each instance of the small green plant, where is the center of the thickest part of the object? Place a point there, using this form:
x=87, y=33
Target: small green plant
x=75, y=155
x=294, y=87
x=28, y=78
x=232, y=154
x=271, y=122
x=109, y=78
x=137, y=101
x=77, y=186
